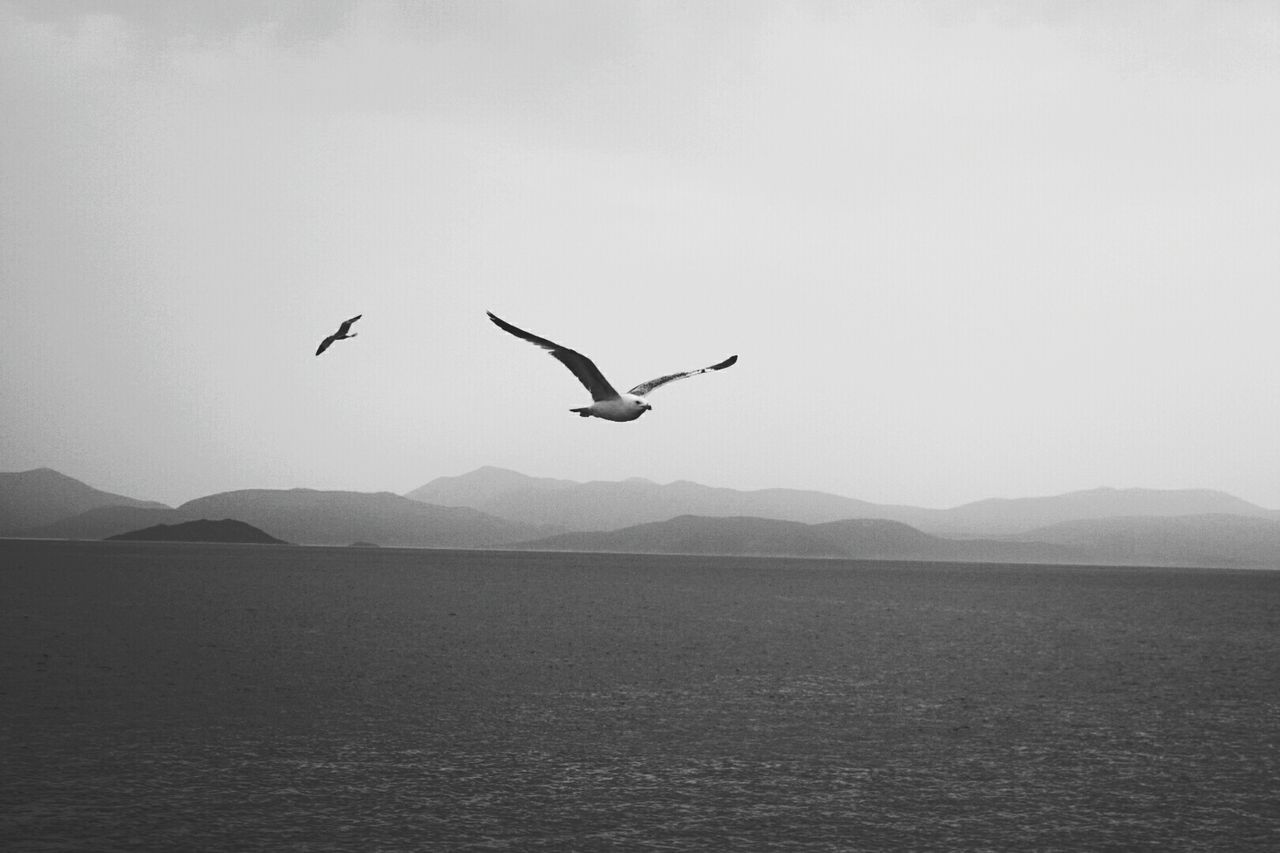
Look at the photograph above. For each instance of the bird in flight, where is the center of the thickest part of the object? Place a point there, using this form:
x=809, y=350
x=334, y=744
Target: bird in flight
x=607, y=403
x=339, y=335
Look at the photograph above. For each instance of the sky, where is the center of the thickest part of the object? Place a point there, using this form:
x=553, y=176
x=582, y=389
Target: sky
x=963, y=250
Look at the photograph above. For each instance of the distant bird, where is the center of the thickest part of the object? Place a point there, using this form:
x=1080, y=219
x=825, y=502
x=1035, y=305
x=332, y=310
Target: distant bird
x=339, y=335
x=608, y=403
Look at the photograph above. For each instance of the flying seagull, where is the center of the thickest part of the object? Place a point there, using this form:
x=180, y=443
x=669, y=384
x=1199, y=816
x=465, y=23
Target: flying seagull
x=608, y=403
x=339, y=335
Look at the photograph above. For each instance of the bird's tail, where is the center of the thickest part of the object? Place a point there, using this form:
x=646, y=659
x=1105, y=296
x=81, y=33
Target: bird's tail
x=584, y=412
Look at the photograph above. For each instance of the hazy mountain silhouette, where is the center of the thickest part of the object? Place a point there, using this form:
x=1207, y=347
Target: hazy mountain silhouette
x=102, y=522
x=42, y=495
x=849, y=539
x=1182, y=527
x=689, y=534
x=307, y=516
x=1017, y=515
x=612, y=505
x=870, y=538
x=1214, y=540
x=480, y=485
x=203, y=530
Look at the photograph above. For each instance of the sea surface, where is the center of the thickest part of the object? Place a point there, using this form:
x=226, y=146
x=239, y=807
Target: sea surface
x=232, y=698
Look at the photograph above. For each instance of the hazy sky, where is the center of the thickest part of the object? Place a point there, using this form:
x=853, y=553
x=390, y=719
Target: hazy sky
x=963, y=250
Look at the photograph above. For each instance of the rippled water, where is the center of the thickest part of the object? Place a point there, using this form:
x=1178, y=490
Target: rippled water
x=226, y=698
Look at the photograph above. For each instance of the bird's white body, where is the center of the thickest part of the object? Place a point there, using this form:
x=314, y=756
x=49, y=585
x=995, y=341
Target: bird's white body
x=624, y=407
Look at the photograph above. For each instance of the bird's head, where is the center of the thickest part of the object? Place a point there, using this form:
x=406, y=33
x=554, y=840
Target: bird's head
x=636, y=404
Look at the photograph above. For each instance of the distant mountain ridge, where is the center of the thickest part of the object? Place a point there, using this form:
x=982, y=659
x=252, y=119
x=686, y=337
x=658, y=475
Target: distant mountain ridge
x=480, y=485
x=202, y=530
x=609, y=505
x=1213, y=539
x=1205, y=541
x=863, y=539
x=42, y=495
x=1101, y=526
x=612, y=505
x=338, y=518
x=102, y=522
x=1014, y=515
x=308, y=516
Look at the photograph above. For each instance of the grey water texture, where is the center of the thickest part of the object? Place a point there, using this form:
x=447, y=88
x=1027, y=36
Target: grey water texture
x=158, y=696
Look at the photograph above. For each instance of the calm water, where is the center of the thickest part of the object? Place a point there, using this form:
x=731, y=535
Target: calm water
x=230, y=698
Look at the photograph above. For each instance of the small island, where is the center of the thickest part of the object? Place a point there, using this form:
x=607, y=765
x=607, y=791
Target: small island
x=204, y=530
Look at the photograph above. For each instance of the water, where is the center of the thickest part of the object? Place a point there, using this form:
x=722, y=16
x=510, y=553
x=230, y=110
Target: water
x=230, y=698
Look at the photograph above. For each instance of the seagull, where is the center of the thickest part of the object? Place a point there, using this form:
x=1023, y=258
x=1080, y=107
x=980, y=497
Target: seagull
x=608, y=403
x=339, y=335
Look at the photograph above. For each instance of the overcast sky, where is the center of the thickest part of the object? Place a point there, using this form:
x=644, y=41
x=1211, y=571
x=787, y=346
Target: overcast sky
x=963, y=250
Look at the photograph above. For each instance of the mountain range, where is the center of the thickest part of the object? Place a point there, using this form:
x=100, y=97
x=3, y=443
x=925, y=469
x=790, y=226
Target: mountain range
x=610, y=505
x=493, y=507
x=204, y=530
x=41, y=496
x=309, y=517
x=858, y=538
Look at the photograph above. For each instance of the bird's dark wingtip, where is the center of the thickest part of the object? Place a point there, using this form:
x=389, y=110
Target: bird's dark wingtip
x=505, y=326
x=728, y=362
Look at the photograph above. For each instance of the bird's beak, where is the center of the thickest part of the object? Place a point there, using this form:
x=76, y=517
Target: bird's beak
x=648, y=406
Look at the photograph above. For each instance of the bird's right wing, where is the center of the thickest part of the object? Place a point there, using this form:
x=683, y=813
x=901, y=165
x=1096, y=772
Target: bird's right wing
x=645, y=388
x=583, y=368
x=324, y=345
x=346, y=324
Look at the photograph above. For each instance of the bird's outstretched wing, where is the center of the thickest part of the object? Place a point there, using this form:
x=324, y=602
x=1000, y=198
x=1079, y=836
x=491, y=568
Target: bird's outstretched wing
x=583, y=368
x=645, y=388
x=341, y=333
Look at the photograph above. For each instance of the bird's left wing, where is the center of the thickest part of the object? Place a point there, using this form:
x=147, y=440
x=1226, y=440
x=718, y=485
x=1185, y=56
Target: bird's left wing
x=346, y=324
x=645, y=388
x=583, y=368
x=324, y=345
